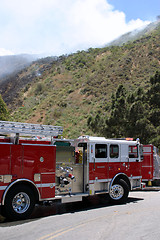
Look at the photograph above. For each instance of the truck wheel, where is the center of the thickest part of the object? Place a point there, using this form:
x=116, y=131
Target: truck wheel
x=119, y=192
x=19, y=203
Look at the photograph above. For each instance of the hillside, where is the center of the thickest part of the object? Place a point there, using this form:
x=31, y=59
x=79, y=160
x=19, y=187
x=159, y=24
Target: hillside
x=68, y=89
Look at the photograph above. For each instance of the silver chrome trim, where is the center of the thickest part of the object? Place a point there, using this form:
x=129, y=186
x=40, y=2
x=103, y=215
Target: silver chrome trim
x=110, y=185
x=3, y=188
x=6, y=143
x=99, y=180
x=135, y=177
x=147, y=166
x=48, y=173
x=21, y=202
x=37, y=144
x=45, y=185
x=116, y=192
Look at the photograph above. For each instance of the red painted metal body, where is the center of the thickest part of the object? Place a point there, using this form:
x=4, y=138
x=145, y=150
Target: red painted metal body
x=25, y=161
x=150, y=165
x=107, y=168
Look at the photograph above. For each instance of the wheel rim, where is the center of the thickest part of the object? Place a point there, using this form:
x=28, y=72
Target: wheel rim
x=116, y=192
x=21, y=202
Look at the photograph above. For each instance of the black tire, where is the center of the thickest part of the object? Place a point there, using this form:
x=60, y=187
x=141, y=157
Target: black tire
x=19, y=203
x=119, y=192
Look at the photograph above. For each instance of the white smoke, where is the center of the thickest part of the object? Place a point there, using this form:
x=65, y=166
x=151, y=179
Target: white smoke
x=60, y=27
x=4, y=52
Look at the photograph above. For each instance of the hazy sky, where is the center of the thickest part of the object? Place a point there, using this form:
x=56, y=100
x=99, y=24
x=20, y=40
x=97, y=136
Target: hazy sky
x=56, y=27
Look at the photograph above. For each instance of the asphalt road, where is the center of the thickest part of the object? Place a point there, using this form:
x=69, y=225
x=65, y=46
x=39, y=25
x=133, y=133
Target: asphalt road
x=138, y=219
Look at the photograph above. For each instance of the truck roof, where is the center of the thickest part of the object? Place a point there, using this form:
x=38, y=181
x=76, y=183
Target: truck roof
x=105, y=140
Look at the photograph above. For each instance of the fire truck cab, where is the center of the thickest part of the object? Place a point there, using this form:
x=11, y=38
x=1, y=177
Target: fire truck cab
x=35, y=170
x=104, y=165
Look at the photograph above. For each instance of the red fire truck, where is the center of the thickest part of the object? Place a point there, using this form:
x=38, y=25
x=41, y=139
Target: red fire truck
x=34, y=170
x=150, y=164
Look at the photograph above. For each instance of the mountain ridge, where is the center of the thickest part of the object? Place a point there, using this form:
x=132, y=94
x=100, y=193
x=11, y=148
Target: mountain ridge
x=135, y=34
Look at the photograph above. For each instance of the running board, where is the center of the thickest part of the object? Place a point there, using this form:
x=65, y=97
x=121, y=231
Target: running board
x=71, y=198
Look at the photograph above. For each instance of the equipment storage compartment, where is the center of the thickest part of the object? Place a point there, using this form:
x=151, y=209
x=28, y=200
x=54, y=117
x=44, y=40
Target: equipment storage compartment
x=69, y=174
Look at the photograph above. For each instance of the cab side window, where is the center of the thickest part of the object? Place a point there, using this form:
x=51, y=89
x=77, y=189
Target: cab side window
x=133, y=152
x=114, y=151
x=100, y=150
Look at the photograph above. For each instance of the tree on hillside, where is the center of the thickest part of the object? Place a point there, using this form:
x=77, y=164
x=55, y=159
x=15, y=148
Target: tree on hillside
x=135, y=114
x=153, y=97
x=115, y=124
x=119, y=112
x=4, y=115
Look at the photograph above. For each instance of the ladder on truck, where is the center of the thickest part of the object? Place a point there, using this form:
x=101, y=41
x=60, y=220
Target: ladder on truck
x=23, y=129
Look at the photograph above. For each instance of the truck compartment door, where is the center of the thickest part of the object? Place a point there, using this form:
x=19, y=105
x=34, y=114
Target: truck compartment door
x=39, y=163
x=5, y=158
